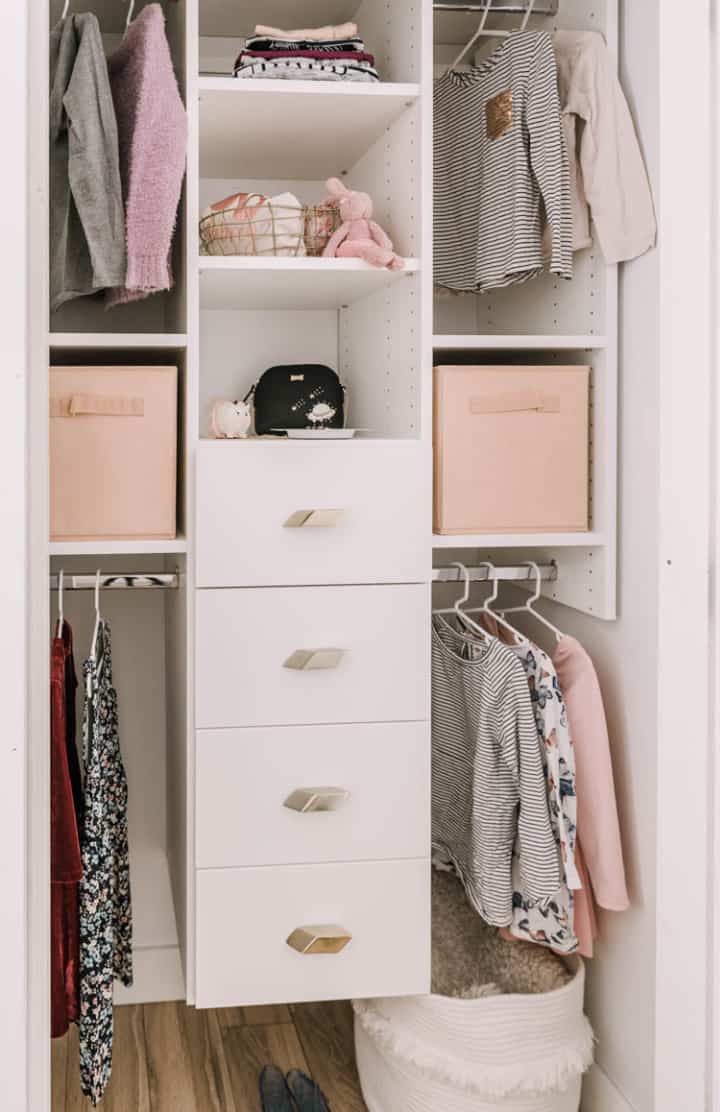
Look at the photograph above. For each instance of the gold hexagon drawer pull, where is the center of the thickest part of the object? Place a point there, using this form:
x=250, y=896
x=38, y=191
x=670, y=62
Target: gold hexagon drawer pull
x=313, y=519
x=309, y=800
x=319, y=939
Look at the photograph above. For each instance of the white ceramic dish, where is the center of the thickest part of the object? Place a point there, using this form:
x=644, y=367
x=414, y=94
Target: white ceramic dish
x=320, y=434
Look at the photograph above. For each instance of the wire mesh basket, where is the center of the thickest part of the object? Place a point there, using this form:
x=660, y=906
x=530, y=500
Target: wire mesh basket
x=320, y=223
x=254, y=225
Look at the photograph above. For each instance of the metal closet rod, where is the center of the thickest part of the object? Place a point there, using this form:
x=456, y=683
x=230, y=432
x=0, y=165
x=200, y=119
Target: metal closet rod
x=548, y=572
x=151, y=581
x=510, y=7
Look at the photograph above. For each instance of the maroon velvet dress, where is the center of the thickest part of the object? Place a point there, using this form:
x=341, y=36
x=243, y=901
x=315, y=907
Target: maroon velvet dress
x=66, y=814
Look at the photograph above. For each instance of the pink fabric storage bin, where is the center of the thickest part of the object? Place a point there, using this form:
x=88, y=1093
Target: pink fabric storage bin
x=511, y=448
x=113, y=452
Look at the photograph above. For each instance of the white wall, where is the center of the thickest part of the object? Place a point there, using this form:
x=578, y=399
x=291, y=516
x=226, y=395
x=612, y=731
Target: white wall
x=621, y=984
x=621, y=996
x=647, y=994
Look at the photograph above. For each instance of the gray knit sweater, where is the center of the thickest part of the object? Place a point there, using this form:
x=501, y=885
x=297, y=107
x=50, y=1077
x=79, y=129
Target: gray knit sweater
x=87, y=221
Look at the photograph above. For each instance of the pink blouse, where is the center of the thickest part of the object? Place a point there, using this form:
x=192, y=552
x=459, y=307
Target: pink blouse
x=597, y=818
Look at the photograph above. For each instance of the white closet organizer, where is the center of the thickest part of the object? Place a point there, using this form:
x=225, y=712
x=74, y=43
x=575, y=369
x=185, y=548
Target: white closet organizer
x=276, y=704
x=297, y=685
x=220, y=740
x=546, y=321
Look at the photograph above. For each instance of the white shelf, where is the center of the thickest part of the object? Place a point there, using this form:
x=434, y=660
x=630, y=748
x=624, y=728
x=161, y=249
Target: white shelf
x=303, y=130
x=243, y=444
x=117, y=547
x=127, y=340
x=518, y=342
x=520, y=540
x=250, y=282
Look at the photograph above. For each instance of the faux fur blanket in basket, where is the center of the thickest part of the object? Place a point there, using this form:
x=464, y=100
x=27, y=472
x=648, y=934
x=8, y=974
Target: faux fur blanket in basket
x=470, y=960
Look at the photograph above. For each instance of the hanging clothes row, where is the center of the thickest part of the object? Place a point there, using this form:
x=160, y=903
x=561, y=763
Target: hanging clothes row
x=118, y=135
x=531, y=143
x=91, y=929
x=521, y=766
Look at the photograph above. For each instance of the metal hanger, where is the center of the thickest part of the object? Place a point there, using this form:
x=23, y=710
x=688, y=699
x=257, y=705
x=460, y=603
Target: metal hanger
x=529, y=608
x=66, y=9
x=482, y=33
x=131, y=12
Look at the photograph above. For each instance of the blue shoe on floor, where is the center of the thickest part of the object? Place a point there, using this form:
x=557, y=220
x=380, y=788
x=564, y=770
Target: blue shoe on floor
x=274, y=1093
x=308, y=1096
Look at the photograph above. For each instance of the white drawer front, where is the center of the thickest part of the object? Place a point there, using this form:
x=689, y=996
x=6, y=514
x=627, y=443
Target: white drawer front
x=302, y=794
x=246, y=640
x=245, y=916
x=246, y=492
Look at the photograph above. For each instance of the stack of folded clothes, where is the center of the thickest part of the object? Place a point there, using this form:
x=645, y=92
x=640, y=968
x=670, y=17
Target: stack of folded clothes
x=314, y=54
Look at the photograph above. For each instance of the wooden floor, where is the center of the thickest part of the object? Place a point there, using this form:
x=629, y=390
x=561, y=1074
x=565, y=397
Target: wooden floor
x=171, y=1058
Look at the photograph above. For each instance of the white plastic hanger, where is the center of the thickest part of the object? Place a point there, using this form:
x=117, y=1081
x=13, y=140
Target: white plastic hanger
x=482, y=33
x=529, y=608
x=66, y=9
x=98, y=616
x=466, y=592
x=486, y=607
x=457, y=607
x=131, y=12
x=61, y=613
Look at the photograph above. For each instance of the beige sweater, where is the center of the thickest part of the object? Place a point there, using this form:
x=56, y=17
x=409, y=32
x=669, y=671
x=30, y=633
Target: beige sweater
x=608, y=173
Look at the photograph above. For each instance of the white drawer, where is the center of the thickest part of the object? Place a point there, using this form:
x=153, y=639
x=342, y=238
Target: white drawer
x=246, y=640
x=245, y=916
x=247, y=491
x=301, y=794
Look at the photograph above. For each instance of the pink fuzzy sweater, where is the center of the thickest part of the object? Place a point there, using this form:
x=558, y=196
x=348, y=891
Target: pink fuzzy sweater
x=152, y=134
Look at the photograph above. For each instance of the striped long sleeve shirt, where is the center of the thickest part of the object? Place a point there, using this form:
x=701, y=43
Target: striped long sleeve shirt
x=488, y=778
x=501, y=169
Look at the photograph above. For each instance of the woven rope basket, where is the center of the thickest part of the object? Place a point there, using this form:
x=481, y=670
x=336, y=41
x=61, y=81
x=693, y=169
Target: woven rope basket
x=515, y=1053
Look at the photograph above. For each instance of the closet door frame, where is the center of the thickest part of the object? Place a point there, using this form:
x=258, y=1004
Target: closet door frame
x=713, y=1088
x=35, y=466
x=685, y=729
x=15, y=588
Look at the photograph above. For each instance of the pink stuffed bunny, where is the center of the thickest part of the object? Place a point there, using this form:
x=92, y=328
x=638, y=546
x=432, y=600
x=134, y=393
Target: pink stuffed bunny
x=358, y=236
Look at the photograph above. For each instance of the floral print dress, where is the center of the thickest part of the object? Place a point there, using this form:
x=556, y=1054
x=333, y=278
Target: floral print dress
x=105, y=907
x=550, y=923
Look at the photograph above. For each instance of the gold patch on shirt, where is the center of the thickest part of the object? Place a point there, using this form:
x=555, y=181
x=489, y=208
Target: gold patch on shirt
x=499, y=114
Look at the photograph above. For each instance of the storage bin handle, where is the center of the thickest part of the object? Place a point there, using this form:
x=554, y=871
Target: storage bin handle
x=313, y=519
x=311, y=800
x=96, y=405
x=308, y=660
x=319, y=939
x=520, y=401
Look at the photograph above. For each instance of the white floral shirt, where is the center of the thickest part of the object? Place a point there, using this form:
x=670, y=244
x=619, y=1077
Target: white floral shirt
x=550, y=922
